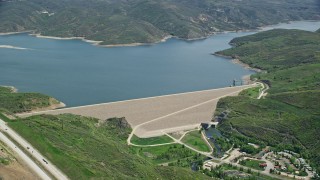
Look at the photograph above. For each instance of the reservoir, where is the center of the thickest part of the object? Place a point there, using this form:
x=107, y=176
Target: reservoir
x=79, y=73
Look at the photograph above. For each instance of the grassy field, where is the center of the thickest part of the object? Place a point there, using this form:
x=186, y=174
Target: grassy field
x=251, y=92
x=194, y=139
x=147, y=21
x=151, y=141
x=288, y=118
x=254, y=164
x=167, y=153
x=23, y=102
x=85, y=148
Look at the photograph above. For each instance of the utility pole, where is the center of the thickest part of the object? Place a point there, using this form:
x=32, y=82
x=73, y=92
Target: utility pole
x=61, y=120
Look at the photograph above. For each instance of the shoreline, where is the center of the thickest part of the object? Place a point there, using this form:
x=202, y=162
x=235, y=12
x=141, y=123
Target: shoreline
x=245, y=78
x=93, y=42
x=97, y=43
x=13, y=47
x=12, y=88
x=164, y=39
x=11, y=33
x=51, y=107
x=246, y=66
x=239, y=62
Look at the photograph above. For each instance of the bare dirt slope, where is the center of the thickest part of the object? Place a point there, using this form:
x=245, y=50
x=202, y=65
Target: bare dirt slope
x=14, y=168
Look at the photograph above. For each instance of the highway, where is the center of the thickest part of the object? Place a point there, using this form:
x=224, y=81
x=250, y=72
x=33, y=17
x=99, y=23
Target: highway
x=49, y=167
x=33, y=166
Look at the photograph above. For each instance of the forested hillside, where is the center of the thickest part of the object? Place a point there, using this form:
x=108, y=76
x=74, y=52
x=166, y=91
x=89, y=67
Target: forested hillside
x=289, y=116
x=147, y=21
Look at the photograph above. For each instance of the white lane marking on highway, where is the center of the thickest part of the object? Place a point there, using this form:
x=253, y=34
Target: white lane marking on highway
x=33, y=152
x=24, y=157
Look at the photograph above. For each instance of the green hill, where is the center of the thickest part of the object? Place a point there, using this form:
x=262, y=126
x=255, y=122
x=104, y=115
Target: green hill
x=86, y=148
x=24, y=102
x=147, y=21
x=277, y=49
x=289, y=117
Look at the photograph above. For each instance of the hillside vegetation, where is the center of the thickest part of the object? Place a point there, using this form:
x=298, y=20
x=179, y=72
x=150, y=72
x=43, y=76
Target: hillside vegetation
x=86, y=148
x=147, y=21
x=24, y=102
x=289, y=117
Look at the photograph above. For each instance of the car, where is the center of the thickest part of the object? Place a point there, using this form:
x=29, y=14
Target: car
x=45, y=161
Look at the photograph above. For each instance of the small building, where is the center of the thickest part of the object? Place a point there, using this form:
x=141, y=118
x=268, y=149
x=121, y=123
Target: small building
x=276, y=167
x=302, y=161
x=291, y=152
x=205, y=126
x=209, y=164
x=214, y=124
x=263, y=165
x=285, y=154
x=308, y=167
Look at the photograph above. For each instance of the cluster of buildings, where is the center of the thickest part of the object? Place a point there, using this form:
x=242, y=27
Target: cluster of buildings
x=299, y=162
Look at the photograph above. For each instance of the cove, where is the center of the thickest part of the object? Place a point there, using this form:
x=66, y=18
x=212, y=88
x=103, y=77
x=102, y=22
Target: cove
x=79, y=73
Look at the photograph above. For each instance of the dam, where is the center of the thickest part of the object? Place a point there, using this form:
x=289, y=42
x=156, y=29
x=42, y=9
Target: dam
x=155, y=116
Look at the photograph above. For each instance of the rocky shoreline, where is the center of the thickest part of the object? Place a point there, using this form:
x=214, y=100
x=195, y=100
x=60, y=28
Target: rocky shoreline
x=238, y=61
x=98, y=43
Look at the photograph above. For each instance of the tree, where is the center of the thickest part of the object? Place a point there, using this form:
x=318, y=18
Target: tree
x=248, y=149
x=271, y=171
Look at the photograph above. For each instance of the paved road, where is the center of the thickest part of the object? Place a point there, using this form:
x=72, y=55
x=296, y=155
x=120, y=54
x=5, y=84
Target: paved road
x=269, y=164
x=264, y=88
x=162, y=144
x=224, y=161
x=204, y=137
x=24, y=157
x=208, y=154
x=34, y=153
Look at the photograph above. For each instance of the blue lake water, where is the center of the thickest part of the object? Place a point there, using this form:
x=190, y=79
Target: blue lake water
x=78, y=73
